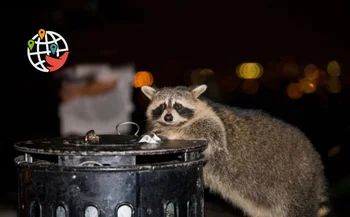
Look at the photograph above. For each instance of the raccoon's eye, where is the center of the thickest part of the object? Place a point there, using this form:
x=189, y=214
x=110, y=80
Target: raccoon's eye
x=177, y=106
x=162, y=106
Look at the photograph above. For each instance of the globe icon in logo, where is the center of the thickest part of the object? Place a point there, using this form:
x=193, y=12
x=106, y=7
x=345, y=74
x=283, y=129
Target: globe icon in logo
x=47, y=51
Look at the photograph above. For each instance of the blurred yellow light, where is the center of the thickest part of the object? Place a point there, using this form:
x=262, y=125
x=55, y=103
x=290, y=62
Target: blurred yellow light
x=143, y=78
x=249, y=70
x=196, y=77
x=238, y=70
x=333, y=69
x=334, y=85
x=250, y=86
x=206, y=72
x=294, y=91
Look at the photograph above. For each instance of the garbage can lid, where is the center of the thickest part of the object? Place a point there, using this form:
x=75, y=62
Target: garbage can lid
x=107, y=145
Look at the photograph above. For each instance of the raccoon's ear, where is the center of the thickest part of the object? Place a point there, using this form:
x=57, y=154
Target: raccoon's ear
x=196, y=92
x=148, y=91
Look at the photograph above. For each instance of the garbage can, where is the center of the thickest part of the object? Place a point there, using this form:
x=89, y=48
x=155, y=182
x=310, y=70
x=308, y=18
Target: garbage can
x=110, y=175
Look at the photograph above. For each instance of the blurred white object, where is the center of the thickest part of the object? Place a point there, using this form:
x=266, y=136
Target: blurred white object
x=154, y=139
x=102, y=112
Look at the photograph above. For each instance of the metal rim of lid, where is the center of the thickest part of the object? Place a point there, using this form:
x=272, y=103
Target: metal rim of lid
x=166, y=147
x=91, y=145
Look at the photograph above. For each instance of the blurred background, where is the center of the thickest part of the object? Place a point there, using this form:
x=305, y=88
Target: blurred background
x=288, y=58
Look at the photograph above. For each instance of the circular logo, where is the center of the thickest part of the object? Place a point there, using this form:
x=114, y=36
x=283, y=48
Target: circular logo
x=47, y=51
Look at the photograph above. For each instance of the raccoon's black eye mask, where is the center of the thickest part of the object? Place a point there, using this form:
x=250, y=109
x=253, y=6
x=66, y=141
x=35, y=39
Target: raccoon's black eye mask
x=177, y=106
x=159, y=110
x=162, y=106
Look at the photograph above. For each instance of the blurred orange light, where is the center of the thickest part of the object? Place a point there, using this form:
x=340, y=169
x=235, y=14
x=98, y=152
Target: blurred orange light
x=306, y=85
x=310, y=88
x=312, y=75
x=310, y=71
x=302, y=83
x=294, y=91
x=143, y=78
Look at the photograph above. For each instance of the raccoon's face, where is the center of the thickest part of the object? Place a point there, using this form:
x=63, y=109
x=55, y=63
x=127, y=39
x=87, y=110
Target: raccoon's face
x=172, y=110
x=172, y=106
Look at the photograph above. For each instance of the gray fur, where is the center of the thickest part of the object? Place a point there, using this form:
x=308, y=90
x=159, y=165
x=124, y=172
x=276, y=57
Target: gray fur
x=261, y=164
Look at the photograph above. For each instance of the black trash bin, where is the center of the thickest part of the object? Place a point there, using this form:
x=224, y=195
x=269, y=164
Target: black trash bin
x=110, y=175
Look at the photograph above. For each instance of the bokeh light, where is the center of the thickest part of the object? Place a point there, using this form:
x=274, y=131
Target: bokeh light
x=309, y=88
x=250, y=86
x=294, y=91
x=333, y=69
x=197, y=77
x=306, y=85
x=206, y=72
x=249, y=70
x=334, y=85
x=311, y=72
x=143, y=78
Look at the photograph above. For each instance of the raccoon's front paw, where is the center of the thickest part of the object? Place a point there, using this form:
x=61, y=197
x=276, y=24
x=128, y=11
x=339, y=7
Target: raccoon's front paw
x=163, y=137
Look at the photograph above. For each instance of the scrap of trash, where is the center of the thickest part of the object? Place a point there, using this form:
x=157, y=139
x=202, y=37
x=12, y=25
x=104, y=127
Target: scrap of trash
x=150, y=139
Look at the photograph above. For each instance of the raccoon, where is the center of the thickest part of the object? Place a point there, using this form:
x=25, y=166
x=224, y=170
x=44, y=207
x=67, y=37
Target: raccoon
x=256, y=162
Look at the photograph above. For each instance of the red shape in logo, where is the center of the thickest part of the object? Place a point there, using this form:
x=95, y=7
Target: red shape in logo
x=56, y=63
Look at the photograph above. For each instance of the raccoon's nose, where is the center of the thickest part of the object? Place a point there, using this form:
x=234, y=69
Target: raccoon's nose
x=168, y=117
